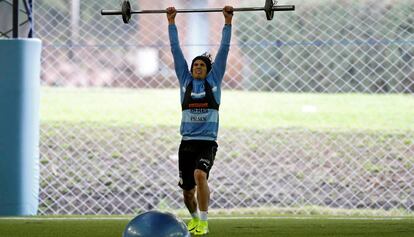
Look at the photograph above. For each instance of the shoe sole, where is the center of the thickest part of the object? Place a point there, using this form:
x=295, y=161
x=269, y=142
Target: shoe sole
x=196, y=233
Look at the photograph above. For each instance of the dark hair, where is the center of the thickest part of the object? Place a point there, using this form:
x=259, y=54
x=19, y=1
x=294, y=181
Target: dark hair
x=206, y=58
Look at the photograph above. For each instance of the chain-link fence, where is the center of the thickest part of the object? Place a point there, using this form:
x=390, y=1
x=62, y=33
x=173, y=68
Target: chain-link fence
x=317, y=110
x=24, y=19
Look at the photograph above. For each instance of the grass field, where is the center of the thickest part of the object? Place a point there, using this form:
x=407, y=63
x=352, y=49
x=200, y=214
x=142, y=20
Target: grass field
x=239, y=109
x=240, y=227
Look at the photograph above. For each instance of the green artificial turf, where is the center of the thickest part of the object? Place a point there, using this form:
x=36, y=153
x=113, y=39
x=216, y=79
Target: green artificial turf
x=261, y=227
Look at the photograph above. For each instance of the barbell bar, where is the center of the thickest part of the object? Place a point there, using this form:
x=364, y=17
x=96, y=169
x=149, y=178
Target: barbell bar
x=269, y=8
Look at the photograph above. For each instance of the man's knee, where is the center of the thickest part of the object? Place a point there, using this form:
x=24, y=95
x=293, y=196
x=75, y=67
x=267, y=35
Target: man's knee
x=200, y=176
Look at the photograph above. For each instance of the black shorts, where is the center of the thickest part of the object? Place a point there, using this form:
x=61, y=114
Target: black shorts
x=192, y=155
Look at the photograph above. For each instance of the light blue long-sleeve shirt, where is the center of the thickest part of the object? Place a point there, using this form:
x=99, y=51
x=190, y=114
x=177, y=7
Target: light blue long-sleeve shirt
x=192, y=130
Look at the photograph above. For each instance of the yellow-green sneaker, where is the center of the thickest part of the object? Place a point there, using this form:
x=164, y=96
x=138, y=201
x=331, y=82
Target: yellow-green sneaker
x=192, y=225
x=201, y=229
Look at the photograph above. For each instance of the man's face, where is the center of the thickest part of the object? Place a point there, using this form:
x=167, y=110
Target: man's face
x=199, y=69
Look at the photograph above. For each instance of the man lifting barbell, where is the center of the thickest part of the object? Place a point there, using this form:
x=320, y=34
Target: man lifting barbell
x=200, y=89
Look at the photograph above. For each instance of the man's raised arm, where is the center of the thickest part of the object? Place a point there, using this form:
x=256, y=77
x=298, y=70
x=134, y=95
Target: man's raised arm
x=181, y=67
x=220, y=62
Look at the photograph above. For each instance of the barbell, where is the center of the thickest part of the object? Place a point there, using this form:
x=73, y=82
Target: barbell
x=269, y=8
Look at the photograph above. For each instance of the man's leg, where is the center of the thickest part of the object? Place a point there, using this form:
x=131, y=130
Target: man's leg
x=191, y=204
x=203, y=198
x=203, y=191
x=190, y=200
